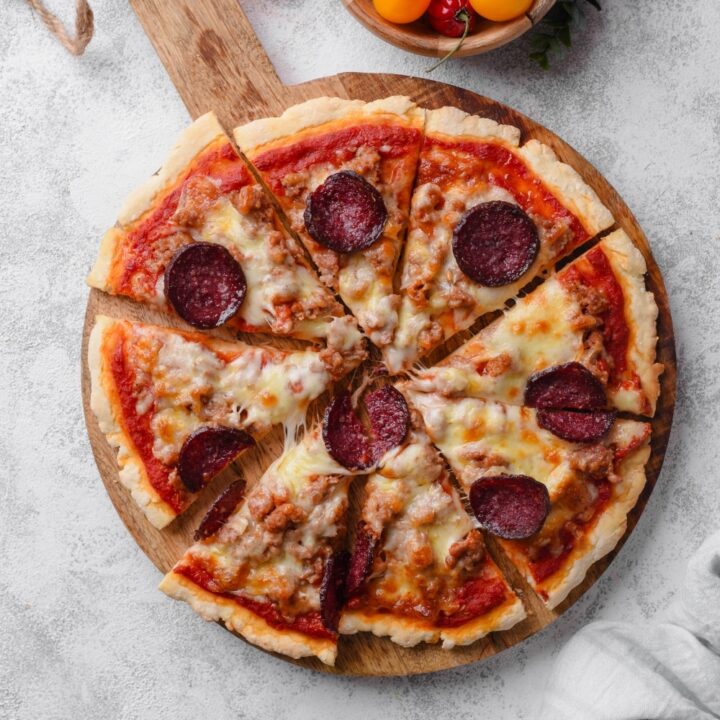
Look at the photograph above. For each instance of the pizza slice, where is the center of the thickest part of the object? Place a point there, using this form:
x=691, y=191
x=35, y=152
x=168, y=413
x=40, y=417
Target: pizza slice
x=511, y=464
x=201, y=238
x=595, y=312
x=180, y=406
x=342, y=171
x=269, y=566
x=487, y=216
x=420, y=571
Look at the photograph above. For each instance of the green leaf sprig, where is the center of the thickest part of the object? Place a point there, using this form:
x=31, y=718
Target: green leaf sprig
x=554, y=32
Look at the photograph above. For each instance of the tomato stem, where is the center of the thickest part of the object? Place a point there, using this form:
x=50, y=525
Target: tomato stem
x=464, y=16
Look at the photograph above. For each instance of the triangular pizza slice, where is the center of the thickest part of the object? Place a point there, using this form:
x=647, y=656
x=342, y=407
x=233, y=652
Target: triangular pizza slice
x=180, y=406
x=488, y=215
x=269, y=566
x=201, y=238
x=420, y=571
x=343, y=171
x=557, y=505
x=595, y=312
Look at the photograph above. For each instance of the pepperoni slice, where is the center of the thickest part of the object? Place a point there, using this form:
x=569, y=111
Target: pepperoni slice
x=352, y=444
x=362, y=558
x=345, y=437
x=389, y=419
x=207, y=451
x=579, y=427
x=565, y=387
x=332, y=590
x=346, y=213
x=221, y=510
x=495, y=243
x=510, y=506
x=205, y=284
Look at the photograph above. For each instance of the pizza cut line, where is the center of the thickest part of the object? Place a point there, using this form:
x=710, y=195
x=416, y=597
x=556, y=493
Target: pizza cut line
x=419, y=222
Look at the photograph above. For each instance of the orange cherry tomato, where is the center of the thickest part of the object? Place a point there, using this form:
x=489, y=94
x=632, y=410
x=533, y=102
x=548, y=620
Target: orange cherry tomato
x=500, y=10
x=401, y=11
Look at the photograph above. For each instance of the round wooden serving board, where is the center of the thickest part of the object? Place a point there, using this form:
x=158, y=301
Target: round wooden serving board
x=216, y=63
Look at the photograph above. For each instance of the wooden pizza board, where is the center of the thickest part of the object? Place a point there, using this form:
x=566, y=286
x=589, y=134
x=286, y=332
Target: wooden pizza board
x=216, y=62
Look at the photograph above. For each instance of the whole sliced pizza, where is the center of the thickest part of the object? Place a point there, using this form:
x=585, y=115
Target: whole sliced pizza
x=370, y=234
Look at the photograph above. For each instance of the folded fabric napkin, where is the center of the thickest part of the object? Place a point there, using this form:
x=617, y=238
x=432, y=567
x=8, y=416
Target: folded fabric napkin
x=666, y=669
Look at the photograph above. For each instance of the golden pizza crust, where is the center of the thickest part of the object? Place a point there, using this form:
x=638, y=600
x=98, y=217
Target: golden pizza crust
x=641, y=313
x=606, y=533
x=254, y=135
x=243, y=621
x=408, y=632
x=567, y=185
x=453, y=121
x=106, y=406
x=192, y=140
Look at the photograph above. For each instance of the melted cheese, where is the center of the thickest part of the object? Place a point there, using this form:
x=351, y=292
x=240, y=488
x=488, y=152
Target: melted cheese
x=192, y=386
x=537, y=333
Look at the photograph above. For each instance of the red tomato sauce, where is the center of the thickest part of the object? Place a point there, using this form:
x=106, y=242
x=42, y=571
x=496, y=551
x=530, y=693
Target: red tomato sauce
x=476, y=597
x=336, y=147
x=138, y=428
x=308, y=624
x=218, y=162
x=547, y=564
x=594, y=270
x=500, y=167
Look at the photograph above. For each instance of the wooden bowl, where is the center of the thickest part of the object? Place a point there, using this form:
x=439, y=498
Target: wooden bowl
x=418, y=37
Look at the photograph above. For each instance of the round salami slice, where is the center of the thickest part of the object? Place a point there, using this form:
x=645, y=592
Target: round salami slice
x=205, y=284
x=389, y=419
x=565, y=387
x=362, y=558
x=577, y=426
x=332, y=589
x=346, y=213
x=222, y=509
x=510, y=506
x=495, y=243
x=207, y=451
x=344, y=435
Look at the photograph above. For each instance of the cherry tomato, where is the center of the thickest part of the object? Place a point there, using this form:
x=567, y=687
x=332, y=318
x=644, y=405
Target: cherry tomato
x=401, y=11
x=500, y=10
x=449, y=17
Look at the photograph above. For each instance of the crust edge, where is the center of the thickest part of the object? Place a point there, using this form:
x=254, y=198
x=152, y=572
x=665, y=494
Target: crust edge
x=609, y=529
x=255, y=134
x=407, y=632
x=130, y=470
x=567, y=184
x=241, y=620
x=450, y=120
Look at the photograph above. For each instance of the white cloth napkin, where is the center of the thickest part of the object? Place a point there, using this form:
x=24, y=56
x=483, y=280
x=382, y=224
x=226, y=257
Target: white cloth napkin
x=669, y=669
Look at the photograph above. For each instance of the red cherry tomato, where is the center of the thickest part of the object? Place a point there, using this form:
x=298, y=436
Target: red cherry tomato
x=449, y=17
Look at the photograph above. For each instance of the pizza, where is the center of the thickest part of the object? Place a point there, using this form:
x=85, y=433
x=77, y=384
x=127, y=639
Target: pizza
x=502, y=471
x=180, y=406
x=596, y=312
x=343, y=171
x=201, y=239
x=420, y=570
x=258, y=562
x=476, y=183
x=590, y=484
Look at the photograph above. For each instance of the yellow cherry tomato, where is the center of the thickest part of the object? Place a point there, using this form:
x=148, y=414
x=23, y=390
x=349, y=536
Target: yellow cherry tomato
x=401, y=11
x=500, y=10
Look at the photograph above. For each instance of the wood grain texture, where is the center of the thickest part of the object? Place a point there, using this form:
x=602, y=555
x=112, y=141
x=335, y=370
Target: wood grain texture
x=181, y=37
x=420, y=38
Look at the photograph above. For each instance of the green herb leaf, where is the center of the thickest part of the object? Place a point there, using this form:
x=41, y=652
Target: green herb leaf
x=554, y=32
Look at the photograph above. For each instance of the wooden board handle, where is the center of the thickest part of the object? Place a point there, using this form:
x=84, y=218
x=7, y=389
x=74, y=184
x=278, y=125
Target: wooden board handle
x=211, y=52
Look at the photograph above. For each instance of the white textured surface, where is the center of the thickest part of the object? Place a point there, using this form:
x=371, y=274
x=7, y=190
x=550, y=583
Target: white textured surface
x=83, y=631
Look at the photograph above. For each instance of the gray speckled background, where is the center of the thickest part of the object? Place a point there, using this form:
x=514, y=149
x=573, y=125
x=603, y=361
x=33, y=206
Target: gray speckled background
x=83, y=631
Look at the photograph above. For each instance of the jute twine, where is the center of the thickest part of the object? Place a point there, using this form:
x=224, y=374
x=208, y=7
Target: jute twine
x=83, y=25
